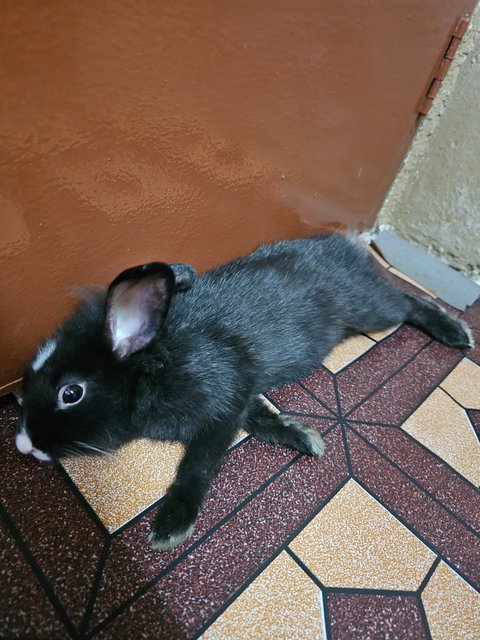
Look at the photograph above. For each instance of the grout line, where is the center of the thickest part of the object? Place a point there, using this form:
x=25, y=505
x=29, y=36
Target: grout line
x=265, y=564
x=372, y=592
x=305, y=569
x=94, y=590
x=81, y=499
x=357, y=358
x=416, y=483
x=40, y=576
x=326, y=616
x=159, y=500
x=431, y=453
x=476, y=431
x=420, y=537
x=428, y=575
x=298, y=414
x=389, y=377
x=423, y=615
x=237, y=593
x=373, y=423
x=142, y=590
x=407, y=415
x=452, y=398
x=281, y=409
x=317, y=398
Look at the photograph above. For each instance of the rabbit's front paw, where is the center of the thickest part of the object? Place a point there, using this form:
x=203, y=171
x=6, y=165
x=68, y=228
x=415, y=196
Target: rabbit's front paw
x=173, y=525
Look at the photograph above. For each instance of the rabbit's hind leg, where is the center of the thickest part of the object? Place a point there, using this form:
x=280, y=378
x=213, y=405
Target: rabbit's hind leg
x=259, y=421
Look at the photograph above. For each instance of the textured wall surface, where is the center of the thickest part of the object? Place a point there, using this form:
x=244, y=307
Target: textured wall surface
x=435, y=199
x=187, y=130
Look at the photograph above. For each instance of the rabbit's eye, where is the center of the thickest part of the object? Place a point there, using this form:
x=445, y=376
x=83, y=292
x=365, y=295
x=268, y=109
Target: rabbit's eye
x=71, y=394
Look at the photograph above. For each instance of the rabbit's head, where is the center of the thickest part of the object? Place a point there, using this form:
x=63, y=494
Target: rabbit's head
x=79, y=388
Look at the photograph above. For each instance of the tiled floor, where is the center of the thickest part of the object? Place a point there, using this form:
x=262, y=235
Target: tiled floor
x=379, y=539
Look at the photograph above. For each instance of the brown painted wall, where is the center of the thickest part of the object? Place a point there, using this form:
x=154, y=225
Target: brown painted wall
x=134, y=131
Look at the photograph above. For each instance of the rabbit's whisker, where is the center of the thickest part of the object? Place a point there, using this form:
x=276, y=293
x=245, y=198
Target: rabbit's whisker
x=97, y=449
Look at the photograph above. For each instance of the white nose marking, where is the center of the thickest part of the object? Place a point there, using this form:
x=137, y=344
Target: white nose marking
x=23, y=442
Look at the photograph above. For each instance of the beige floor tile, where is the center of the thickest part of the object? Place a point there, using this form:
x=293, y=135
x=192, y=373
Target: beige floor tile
x=380, y=335
x=452, y=606
x=401, y=275
x=119, y=487
x=281, y=604
x=355, y=542
x=346, y=352
x=268, y=404
x=442, y=426
x=464, y=384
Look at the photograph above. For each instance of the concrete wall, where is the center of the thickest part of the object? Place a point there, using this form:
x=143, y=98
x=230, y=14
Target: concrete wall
x=435, y=199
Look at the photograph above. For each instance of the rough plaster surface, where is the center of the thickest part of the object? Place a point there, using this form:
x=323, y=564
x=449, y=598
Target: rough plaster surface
x=435, y=199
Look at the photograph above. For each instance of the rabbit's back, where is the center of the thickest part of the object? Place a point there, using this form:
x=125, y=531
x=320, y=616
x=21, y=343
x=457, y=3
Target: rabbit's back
x=286, y=304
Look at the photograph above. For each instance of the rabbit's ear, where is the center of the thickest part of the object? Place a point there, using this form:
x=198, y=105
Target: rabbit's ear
x=136, y=306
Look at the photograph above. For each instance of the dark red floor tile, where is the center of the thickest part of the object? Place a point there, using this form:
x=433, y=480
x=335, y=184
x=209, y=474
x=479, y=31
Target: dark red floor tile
x=57, y=530
x=474, y=416
x=320, y=382
x=375, y=617
x=25, y=611
x=322, y=426
x=201, y=583
x=429, y=471
x=474, y=352
x=292, y=398
x=441, y=530
x=247, y=467
x=472, y=315
x=363, y=376
x=398, y=397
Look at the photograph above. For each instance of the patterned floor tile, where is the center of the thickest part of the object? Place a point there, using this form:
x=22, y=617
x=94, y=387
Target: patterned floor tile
x=199, y=583
x=355, y=542
x=59, y=532
x=247, y=468
x=282, y=603
x=452, y=606
x=475, y=420
x=322, y=384
x=393, y=402
x=346, y=352
x=363, y=377
x=375, y=616
x=429, y=471
x=366, y=521
x=119, y=487
x=444, y=427
x=463, y=384
x=25, y=611
x=380, y=335
x=292, y=398
x=426, y=517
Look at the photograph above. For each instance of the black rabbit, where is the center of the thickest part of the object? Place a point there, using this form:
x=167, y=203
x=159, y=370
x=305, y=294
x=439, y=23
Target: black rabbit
x=142, y=362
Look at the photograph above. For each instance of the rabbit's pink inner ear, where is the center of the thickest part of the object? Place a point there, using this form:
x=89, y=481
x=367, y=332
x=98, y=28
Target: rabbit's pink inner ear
x=135, y=311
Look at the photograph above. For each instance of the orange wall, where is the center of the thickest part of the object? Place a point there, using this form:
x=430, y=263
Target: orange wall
x=135, y=131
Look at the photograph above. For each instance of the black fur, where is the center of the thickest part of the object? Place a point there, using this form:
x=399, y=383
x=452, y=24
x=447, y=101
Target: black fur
x=257, y=322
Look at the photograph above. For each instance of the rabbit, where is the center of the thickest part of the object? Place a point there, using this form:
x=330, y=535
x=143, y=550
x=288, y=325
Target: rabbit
x=139, y=361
